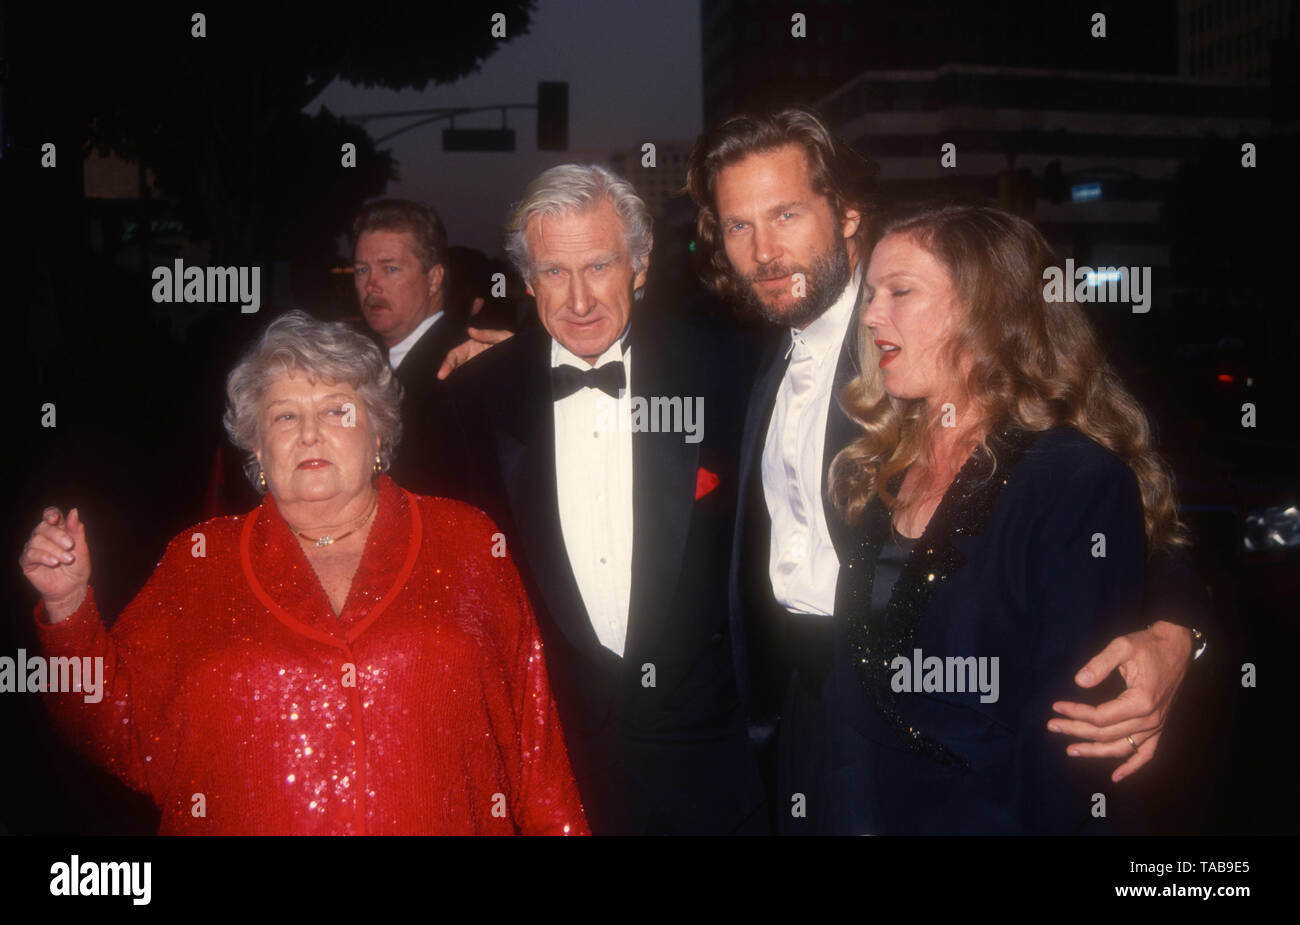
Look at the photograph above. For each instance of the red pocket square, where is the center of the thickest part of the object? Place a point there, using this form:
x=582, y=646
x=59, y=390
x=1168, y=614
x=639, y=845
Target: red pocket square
x=705, y=482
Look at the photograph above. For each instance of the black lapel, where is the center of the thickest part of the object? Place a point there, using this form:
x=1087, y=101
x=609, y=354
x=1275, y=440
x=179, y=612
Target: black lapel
x=840, y=429
x=747, y=560
x=664, y=468
x=526, y=447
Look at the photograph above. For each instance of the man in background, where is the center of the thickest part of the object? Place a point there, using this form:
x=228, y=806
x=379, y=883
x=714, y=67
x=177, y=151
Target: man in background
x=399, y=270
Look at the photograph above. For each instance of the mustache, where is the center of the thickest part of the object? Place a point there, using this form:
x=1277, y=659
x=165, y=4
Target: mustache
x=372, y=302
x=771, y=271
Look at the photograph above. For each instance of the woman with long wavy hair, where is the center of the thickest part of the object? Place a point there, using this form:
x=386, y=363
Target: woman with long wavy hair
x=1007, y=494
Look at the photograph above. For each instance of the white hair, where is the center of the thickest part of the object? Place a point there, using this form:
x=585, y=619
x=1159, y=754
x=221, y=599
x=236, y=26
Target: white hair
x=571, y=188
x=322, y=350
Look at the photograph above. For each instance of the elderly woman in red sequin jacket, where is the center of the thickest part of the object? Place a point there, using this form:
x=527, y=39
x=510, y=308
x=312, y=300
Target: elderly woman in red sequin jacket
x=346, y=658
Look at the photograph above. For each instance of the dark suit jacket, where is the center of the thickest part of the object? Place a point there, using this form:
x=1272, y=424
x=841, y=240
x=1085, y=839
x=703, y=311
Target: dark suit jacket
x=674, y=757
x=1002, y=571
x=422, y=463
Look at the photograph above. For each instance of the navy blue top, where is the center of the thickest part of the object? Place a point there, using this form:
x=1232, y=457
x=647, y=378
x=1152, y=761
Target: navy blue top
x=889, y=565
x=1010, y=571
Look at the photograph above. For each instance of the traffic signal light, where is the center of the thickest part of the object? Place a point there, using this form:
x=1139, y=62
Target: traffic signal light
x=1016, y=192
x=552, y=115
x=1054, y=185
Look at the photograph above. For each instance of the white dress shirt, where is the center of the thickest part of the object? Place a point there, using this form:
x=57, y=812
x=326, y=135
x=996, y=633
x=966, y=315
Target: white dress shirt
x=399, y=350
x=803, y=565
x=593, y=466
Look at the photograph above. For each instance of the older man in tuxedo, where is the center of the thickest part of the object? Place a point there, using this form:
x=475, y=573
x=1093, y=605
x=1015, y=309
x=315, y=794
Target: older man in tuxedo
x=782, y=224
x=399, y=270
x=619, y=509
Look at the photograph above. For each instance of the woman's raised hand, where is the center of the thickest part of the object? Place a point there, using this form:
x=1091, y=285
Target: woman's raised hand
x=56, y=560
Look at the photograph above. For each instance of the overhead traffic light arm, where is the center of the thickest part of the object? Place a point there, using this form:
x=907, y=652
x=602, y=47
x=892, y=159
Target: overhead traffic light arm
x=552, y=121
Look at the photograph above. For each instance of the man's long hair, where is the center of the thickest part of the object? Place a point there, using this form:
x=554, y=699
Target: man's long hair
x=836, y=171
x=1034, y=364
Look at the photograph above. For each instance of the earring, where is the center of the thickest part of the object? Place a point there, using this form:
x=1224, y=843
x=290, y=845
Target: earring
x=379, y=465
x=261, y=480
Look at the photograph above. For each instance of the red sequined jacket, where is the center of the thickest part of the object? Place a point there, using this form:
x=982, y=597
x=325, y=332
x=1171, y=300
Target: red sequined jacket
x=237, y=699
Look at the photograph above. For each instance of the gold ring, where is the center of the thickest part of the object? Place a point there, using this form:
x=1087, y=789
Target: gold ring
x=1131, y=742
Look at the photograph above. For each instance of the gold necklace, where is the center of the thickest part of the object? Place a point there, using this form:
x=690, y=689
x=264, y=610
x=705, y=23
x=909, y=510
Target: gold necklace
x=322, y=541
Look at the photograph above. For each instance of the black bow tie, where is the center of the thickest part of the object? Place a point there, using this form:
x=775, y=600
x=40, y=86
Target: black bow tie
x=565, y=379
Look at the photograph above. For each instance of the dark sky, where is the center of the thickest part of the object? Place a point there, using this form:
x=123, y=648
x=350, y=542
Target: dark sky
x=634, y=75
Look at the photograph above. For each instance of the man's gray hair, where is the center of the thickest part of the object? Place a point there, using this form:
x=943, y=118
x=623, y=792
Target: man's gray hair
x=572, y=188
x=327, y=351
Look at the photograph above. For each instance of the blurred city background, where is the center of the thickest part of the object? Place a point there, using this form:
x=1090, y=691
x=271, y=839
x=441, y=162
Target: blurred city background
x=226, y=150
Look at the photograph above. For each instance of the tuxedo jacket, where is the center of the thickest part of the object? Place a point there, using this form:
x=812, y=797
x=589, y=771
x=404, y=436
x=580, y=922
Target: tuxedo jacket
x=657, y=736
x=421, y=463
x=757, y=619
